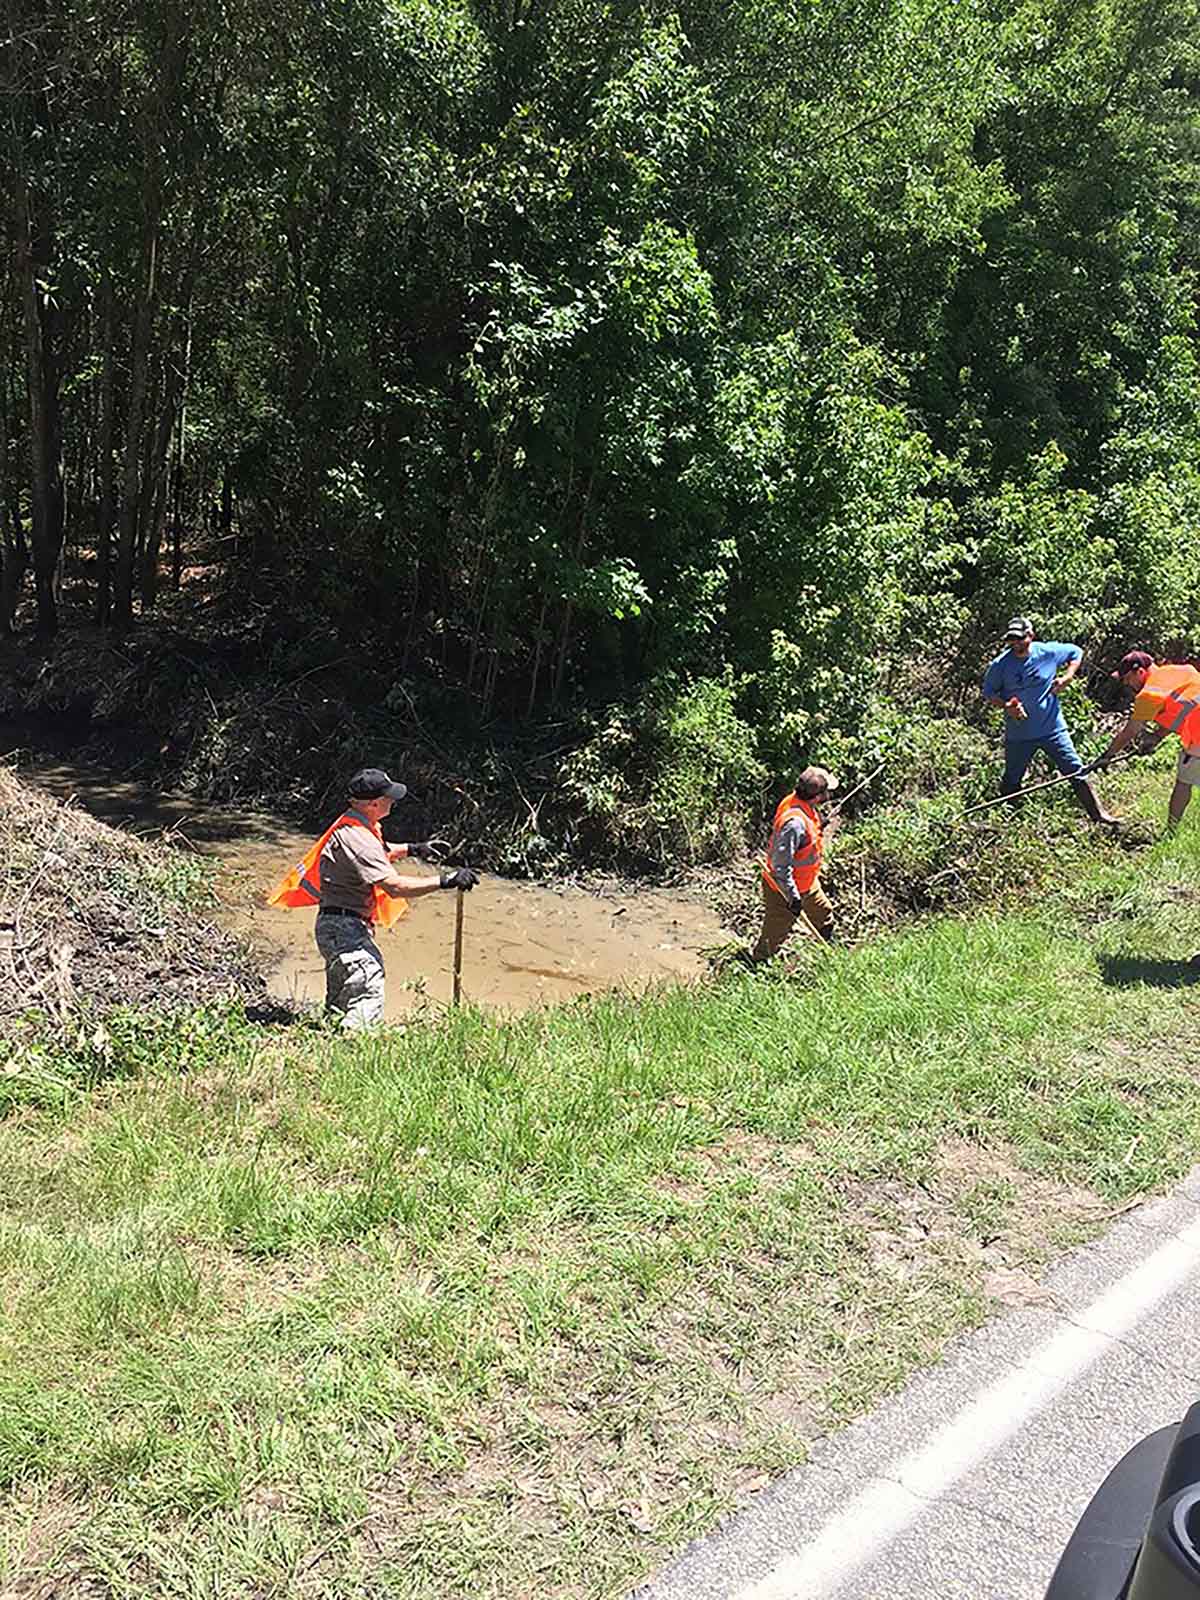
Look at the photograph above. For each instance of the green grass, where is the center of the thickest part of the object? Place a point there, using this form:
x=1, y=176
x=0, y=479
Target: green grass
x=514, y=1309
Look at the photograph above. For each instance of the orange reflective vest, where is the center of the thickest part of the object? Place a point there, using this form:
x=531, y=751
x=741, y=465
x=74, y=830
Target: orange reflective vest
x=806, y=863
x=302, y=886
x=1178, y=691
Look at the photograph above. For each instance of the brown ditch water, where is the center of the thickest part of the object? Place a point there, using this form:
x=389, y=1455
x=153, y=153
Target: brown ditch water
x=524, y=945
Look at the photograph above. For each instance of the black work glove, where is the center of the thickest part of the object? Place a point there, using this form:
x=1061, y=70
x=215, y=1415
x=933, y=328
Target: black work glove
x=459, y=878
x=423, y=852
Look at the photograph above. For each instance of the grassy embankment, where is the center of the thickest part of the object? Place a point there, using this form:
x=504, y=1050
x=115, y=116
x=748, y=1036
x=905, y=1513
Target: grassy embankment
x=514, y=1309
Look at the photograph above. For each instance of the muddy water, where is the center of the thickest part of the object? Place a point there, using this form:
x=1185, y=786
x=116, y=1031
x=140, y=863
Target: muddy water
x=524, y=944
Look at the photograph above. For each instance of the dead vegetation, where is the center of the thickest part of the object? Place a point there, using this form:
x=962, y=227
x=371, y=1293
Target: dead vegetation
x=92, y=918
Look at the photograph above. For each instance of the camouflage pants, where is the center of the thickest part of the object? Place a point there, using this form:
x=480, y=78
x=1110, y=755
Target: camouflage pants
x=353, y=970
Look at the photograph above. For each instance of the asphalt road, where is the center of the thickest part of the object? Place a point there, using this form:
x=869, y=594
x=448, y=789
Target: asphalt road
x=967, y=1484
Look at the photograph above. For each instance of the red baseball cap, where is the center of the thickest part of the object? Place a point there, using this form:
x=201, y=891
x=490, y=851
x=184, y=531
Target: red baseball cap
x=1133, y=661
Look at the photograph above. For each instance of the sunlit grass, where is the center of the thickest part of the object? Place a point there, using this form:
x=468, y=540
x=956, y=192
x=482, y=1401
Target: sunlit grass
x=513, y=1308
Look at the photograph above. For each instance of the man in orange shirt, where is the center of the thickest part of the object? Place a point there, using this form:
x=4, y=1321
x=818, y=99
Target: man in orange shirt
x=1167, y=700
x=791, y=887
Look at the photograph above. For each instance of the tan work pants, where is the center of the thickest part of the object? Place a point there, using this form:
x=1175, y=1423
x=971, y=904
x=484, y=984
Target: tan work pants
x=779, y=919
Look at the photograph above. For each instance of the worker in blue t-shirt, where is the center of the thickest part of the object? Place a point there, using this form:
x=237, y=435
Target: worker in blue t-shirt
x=1024, y=681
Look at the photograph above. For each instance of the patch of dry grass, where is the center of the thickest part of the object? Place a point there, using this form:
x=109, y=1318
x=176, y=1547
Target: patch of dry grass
x=92, y=919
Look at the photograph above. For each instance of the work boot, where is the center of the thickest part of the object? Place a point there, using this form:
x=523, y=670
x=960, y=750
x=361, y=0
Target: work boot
x=1090, y=802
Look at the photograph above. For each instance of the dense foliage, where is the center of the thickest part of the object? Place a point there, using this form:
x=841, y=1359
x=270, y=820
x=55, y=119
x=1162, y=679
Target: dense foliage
x=713, y=372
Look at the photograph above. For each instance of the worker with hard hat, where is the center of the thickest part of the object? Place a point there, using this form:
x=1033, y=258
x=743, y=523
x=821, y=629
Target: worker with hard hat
x=1166, y=700
x=350, y=875
x=1025, y=681
x=791, y=887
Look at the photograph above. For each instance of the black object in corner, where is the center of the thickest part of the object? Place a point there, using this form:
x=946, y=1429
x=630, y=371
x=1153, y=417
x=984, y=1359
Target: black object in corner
x=1139, y=1538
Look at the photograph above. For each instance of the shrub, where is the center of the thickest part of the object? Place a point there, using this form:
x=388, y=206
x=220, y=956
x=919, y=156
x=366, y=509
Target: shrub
x=927, y=754
x=669, y=780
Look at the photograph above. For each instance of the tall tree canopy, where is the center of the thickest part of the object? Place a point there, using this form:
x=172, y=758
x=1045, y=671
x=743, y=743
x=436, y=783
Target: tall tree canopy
x=604, y=354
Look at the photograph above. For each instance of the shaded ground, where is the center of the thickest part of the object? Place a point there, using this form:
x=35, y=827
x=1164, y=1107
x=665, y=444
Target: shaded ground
x=234, y=716
x=1129, y=971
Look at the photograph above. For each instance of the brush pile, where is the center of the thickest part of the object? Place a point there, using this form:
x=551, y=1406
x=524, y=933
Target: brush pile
x=91, y=919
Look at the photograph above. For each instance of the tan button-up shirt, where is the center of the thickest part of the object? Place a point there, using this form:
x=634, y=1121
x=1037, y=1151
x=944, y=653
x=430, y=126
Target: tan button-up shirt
x=352, y=863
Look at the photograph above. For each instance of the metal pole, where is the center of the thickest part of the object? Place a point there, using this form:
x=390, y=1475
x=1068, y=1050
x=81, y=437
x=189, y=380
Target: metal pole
x=861, y=784
x=1046, y=783
x=804, y=917
x=458, y=925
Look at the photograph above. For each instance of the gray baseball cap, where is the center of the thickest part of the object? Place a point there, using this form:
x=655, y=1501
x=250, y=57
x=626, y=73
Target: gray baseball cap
x=372, y=783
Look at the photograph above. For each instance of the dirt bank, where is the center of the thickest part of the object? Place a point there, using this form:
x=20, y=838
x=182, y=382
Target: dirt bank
x=92, y=918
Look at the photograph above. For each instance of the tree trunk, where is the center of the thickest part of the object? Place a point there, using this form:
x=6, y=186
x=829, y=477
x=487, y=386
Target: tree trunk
x=177, y=476
x=177, y=506
x=158, y=479
x=539, y=639
x=139, y=378
x=13, y=567
x=495, y=642
x=413, y=608
x=226, y=503
x=156, y=484
x=564, y=637
x=479, y=625
x=147, y=479
x=45, y=429
x=14, y=552
x=539, y=635
x=104, y=514
x=152, y=556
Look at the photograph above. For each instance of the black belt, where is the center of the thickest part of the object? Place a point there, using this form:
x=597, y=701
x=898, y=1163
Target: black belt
x=344, y=911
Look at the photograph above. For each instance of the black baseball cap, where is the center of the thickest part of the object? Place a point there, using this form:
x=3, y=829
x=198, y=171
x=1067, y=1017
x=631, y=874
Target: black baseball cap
x=1134, y=661
x=372, y=783
x=1018, y=628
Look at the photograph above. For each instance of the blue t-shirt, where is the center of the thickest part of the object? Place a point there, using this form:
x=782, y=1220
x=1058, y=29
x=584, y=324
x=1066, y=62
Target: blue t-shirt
x=1032, y=682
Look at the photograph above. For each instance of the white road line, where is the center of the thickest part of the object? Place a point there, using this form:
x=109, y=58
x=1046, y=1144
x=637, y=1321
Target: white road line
x=902, y=1491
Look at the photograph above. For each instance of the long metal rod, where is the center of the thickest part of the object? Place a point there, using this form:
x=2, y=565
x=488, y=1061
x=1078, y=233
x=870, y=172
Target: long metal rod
x=804, y=917
x=861, y=784
x=458, y=926
x=1046, y=783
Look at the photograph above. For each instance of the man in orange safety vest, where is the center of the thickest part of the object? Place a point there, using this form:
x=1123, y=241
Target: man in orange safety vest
x=791, y=888
x=1166, y=699
x=349, y=874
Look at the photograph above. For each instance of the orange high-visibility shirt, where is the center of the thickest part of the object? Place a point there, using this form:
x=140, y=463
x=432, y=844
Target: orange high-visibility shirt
x=1170, y=698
